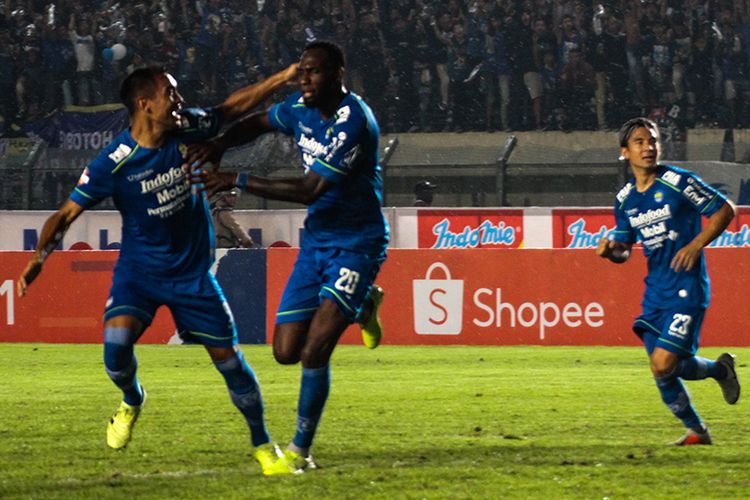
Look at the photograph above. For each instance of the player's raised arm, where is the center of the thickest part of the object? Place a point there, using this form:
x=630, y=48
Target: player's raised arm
x=52, y=233
x=246, y=98
x=686, y=258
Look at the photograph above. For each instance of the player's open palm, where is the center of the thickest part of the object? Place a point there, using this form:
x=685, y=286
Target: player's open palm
x=198, y=155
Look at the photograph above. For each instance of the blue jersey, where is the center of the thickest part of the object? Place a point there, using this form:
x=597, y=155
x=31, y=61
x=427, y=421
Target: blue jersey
x=344, y=150
x=665, y=218
x=166, y=229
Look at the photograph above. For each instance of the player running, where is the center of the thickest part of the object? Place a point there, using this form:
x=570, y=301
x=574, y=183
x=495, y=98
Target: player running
x=345, y=236
x=662, y=207
x=167, y=245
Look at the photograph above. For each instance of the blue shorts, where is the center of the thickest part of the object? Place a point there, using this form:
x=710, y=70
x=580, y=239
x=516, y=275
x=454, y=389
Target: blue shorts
x=340, y=275
x=197, y=304
x=678, y=331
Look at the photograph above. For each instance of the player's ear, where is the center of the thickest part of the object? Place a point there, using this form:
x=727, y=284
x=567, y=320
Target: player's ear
x=340, y=74
x=624, y=154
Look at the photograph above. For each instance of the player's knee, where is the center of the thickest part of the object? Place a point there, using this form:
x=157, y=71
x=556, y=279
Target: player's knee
x=285, y=356
x=661, y=368
x=314, y=357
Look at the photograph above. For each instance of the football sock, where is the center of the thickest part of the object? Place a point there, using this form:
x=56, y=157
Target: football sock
x=316, y=383
x=697, y=368
x=675, y=396
x=121, y=363
x=245, y=393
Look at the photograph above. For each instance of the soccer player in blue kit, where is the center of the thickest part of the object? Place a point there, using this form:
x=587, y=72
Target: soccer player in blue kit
x=662, y=206
x=345, y=235
x=167, y=245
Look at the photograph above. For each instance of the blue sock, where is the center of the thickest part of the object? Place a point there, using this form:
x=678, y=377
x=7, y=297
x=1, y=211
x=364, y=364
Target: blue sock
x=245, y=393
x=121, y=363
x=677, y=399
x=313, y=393
x=697, y=368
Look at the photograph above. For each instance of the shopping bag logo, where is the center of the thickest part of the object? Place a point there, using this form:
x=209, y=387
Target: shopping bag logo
x=438, y=303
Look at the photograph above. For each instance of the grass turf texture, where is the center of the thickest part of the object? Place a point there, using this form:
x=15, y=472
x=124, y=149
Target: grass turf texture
x=401, y=422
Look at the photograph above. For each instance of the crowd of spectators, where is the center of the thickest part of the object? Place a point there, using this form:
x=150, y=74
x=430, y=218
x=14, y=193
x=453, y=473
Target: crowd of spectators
x=423, y=65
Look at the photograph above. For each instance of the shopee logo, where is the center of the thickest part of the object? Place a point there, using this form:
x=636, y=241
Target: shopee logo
x=542, y=315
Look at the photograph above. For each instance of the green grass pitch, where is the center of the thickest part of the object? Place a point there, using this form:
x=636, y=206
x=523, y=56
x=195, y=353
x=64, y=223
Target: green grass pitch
x=401, y=422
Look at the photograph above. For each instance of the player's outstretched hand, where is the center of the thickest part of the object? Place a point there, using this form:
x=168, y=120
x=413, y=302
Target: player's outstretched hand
x=686, y=258
x=212, y=181
x=201, y=153
x=29, y=274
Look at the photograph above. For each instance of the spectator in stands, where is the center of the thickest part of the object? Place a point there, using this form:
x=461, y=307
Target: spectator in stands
x=79, y=31
x=525, y=68
x=495, y=71
x=59, y=64
x=227, y=231
x=423, y=193
x=577, y=86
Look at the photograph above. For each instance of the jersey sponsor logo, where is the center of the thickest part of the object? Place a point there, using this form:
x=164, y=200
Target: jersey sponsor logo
x=163, y=180
x=624, y=192
x=119, y=154
x=304, y=129
x=84, y=178
x=695, y=194
x=342, y=115
x=671, y=177
x=140, y=175
x=310, y=146
x=654, y=230
x=651, y=216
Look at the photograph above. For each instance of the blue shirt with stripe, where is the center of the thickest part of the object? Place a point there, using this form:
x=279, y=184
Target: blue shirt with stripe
x=665, y=218
x=344, y=150
x=166, y=226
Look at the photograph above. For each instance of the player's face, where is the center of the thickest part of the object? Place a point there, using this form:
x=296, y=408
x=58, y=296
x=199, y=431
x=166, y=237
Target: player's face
x=167, y=101
x=318, y=82
x=643, y=149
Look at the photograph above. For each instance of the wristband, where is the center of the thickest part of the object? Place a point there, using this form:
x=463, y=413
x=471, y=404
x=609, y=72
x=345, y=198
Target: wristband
x=241, y=180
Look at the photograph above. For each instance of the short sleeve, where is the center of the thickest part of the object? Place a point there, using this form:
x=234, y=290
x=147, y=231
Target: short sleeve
x=280, y=117
x=95, y=183
x=705, y=199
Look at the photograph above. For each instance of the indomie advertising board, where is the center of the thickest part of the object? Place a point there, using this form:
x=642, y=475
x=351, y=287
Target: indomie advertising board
x=462, y=229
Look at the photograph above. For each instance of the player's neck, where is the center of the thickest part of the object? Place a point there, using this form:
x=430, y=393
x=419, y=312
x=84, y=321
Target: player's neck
x=328, y=109
x=644, y=177
x=148, y=134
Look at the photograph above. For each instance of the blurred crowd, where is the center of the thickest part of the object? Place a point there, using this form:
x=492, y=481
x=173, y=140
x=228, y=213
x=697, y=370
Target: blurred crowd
x=423, y=65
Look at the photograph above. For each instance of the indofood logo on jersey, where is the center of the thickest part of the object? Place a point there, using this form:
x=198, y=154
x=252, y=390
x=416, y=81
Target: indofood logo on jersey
x=651, y=216
x=312, y=149
x=171, y=190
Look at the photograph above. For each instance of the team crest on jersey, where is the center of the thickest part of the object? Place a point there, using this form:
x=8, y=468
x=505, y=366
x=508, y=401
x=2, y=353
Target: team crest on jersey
x=658, y=197
x=84, y=178
x=183, y=148
x=119, y=154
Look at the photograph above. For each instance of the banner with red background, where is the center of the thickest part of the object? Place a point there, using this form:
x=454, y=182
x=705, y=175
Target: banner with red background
x=526, y=297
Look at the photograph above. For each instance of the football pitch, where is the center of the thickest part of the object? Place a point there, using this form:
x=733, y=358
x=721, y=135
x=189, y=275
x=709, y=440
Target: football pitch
x=401, y=422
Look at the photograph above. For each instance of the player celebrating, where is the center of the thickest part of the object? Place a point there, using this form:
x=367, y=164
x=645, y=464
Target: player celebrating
x=345, y=236
x=167, y=245
x=662, y=207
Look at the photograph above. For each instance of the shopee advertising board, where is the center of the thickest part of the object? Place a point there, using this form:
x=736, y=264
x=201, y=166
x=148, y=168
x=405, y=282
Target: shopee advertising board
x=526, y=297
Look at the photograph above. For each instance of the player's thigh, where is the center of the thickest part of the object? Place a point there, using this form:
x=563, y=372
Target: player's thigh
x=348, y=277
x=131, y=297
x=201, y=312
x=324, y=332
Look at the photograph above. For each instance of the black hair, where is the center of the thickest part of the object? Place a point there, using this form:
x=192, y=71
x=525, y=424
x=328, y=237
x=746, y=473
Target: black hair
x=141, y=82
x=335, y=56
x=629, y=126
